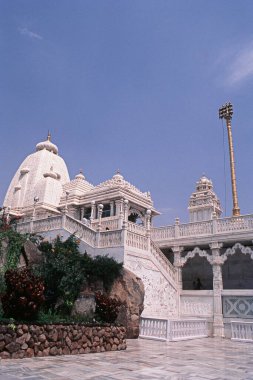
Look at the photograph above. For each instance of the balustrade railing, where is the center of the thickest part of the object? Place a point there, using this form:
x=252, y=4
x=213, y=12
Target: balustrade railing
x=157, y=253
x=153, y=328
x=110, y=223
x=136, y=241
x=23, y=227
x=132, y=227
x=187, y=329
x=242, y=331
x=160, y=233
x=43, y=225
x=193, y=229
x=80, y=230
x=173, y=330
x=239, y=223
x=110, y=239
x=243, y=223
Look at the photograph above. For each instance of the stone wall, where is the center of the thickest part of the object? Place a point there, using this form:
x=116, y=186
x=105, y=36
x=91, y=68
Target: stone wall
x=25, y=341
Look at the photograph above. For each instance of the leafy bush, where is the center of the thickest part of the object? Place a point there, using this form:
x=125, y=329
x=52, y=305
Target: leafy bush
x=107, y=309
x=24, y=294
x=65, y=271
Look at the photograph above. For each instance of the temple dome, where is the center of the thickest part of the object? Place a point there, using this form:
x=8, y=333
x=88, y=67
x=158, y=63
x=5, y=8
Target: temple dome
x=42, y=174
x=48, y=145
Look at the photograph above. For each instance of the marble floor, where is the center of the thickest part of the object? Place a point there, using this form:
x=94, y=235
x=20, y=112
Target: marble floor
x=200, y=359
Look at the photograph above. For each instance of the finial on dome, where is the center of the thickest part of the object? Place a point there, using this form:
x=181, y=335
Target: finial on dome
x=80, y=175
x=117, y=171
x=48, y=136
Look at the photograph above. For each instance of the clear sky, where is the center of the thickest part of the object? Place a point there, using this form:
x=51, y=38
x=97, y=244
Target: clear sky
x=130, y=84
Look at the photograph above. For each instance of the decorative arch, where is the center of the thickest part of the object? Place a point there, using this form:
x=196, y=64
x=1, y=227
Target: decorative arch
x=193, y=253
x=135, y=211
x=232, y=251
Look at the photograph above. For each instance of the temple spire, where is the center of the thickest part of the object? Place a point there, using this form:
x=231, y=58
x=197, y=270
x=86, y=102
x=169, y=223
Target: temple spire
x=48, y=136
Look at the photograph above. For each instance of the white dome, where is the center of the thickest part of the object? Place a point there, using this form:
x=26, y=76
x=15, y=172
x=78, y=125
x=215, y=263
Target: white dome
x=48, y=145
x=42, y=174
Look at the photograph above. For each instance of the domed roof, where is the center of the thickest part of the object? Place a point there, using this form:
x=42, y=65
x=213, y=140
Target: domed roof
x=204, y=183
x=80, y=176
x=48, y=145
x=42, y=174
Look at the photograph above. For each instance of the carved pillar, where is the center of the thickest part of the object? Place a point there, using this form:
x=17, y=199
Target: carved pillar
x=218, y=325
x=120, y=212
x=100, y=211
x=93, y=211
x=148, y=218
x=125, y=212
x=112, y=208
x=178, y=265
x=177, y=228
x=214, y=218
x=81, y=213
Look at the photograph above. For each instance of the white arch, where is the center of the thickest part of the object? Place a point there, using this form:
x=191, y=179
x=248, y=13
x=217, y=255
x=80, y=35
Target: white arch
x=196, y=251
x=232, y=251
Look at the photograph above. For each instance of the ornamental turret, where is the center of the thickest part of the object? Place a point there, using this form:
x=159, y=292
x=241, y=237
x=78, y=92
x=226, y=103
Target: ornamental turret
x=204, y=202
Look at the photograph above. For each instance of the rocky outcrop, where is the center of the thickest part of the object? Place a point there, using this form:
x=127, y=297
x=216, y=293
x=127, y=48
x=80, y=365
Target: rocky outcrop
x=25, y=341
x=129, y=289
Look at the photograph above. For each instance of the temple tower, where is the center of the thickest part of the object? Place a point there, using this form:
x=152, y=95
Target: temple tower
x=204, y=202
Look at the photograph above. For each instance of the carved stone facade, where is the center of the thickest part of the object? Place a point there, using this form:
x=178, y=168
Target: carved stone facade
x=115, y=218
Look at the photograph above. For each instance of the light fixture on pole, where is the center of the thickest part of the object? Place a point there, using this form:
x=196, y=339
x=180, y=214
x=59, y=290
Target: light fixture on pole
x=226, y=112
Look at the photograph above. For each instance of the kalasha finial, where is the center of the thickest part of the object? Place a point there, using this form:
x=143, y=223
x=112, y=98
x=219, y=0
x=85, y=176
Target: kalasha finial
x=48, y=136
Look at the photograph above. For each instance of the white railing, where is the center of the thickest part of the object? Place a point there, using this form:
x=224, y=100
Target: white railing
x=80, y=230
x=136, y=241
x=49, y=224
x=173, y=330
x=239, y=223
x=193, y=229
x=23, y=227
x=151, y=328
x=160, y=233
x=110, y=223
x=157, y=253
x=242, y=331
x=187, y=329
x=110, y=239
x=132, y=227
x=243, y=223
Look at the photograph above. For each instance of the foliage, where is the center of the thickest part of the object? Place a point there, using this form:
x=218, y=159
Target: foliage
x=107, y=309
x=65, y=271
x=104, y=269
x=53, y=317
x=24, y=294
x=14, y=240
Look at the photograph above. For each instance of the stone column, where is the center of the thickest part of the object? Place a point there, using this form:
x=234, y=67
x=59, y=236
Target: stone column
x=112, y=208
x=148, y=232
x=93, y=211
x=120, y=212
x=125, y=212
x=177, y=228
x=81, y=213
x=178, y=265
x=218, y=325
x=100, y=211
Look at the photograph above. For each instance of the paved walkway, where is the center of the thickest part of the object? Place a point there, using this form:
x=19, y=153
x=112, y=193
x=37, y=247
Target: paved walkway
x=208, y=358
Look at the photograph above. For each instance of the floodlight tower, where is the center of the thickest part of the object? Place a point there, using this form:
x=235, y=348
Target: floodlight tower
x=226, y=112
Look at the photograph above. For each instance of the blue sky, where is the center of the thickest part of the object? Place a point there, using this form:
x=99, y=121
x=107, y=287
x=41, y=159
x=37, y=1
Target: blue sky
x=134, y=85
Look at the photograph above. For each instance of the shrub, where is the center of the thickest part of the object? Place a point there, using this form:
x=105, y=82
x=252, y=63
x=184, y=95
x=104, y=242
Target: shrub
x=107, y=309
x=65, y=271
x=24, y=294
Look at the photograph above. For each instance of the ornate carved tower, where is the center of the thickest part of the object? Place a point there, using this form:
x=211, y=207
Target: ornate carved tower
x=204, y=202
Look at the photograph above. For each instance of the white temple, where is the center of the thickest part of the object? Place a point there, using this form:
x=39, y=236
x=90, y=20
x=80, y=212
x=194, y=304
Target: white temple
x=198, y=276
